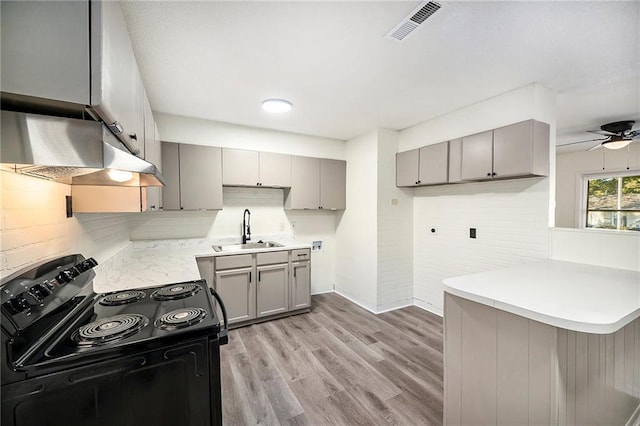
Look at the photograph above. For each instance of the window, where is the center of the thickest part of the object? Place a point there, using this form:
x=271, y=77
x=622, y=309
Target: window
x=613, y=201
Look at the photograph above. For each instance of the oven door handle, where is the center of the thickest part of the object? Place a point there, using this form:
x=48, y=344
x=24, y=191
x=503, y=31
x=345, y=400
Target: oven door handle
x=223, y=335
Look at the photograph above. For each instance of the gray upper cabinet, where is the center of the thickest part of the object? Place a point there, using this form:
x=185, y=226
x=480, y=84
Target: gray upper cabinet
x=455, y=160
x=240, y=167
x=76, y=52
x=424, y=166
x=516, y=150
x=171, y=173
x=45, y=49
x=275, y=169
x=407, y=168
x=253, y=168
x=477, y=156
x=434, y=164
x=317, y=183
x=193, y=175
x=117, y=93
x=521, y=149
x=153, y=154
x=333, y=175
x=305, y=183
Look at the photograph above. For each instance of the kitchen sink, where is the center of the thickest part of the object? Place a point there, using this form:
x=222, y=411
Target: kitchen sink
x=247, y=246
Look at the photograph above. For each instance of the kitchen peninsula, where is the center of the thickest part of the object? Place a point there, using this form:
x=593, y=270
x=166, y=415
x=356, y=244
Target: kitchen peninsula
x=550, y=342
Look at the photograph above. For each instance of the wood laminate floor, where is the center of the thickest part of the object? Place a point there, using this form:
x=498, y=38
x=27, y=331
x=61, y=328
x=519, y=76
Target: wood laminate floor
x=338, y=365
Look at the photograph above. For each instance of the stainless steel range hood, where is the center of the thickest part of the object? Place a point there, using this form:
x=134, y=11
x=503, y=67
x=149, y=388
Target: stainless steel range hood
x=71, y=151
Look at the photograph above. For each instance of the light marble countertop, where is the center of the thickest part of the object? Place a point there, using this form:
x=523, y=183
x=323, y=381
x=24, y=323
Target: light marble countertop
x=160, y=262
x=573, y=296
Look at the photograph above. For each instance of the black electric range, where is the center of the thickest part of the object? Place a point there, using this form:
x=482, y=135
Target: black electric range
x=135, y=357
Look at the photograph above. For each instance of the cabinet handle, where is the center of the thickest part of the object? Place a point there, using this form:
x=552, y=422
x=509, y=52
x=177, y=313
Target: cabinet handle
x=133, y=136
x=294, y=271
x=488, y=174
x=259, y=275
x=493, y=174
x=302, y=254
x=320, y=207
x=250, y=276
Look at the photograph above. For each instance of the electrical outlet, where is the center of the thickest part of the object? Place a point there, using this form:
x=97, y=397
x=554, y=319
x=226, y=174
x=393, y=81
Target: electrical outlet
x=281, y=226
x=472, y=232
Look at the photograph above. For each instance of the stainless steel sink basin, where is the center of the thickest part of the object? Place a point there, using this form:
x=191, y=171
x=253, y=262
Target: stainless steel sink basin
x=247, y=246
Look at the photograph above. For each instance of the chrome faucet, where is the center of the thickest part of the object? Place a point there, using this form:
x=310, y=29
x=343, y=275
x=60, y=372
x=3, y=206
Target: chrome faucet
x=246, y=226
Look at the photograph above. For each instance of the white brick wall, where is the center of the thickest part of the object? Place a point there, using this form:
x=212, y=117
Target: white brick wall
x=395, y=226
x=35, y=227
x=511, y=221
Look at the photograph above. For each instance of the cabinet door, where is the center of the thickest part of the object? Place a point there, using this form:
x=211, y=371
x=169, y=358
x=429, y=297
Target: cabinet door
x=305, y=183
x=45, y=49
x=200, y=177
x=407, y=168
x=434, y=164
x=275, y=169
x=333, y=184
x=152, y=153
x=239, y=167
x=300, y=285
x=171, y=173
x=455, y=160
x=477, y=156
x=237, y=292
x=117, y=90
x=513, y=150
x=272, y=290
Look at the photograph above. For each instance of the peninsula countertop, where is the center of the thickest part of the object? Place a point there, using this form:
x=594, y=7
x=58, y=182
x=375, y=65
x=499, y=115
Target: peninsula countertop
x=159, y=262
x=573, y=296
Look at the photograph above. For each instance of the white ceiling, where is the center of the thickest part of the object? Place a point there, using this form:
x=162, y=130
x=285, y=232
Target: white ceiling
x=219, y=60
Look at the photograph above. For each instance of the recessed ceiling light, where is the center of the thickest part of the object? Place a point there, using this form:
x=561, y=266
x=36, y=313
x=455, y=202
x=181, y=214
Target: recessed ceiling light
x=276, y=105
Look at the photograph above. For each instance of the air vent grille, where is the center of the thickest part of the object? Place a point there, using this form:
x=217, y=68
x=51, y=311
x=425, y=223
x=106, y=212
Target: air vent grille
x=425, y=11
x=412, y=21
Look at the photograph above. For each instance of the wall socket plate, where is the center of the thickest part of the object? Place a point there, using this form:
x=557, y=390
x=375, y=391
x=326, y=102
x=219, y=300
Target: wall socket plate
x=472, y=232
x=316, y=246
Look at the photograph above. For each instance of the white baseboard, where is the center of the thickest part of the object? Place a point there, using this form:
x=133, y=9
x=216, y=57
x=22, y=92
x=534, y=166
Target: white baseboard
x=392, y=306
x=322, y=292
x=362, y=305
x=427, y=307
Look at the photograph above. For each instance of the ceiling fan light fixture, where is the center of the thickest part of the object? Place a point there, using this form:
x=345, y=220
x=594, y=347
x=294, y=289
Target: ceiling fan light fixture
x=276, y=105
x=616, y=143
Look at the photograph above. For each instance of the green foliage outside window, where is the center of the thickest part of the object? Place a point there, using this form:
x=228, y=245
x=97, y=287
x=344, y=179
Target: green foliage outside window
x=613, y=202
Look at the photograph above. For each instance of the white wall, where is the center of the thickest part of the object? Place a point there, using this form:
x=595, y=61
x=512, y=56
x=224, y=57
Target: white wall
x=197, y=131
x=511, y=217
x=35, y=227
x=356, y=235
x=395, y=229
x=601, y=247
x=570, y=168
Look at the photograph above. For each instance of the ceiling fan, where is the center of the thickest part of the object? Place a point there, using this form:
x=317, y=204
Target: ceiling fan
x=617, y=135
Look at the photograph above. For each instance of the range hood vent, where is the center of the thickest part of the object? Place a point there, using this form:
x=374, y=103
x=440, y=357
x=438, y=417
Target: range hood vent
x=412, y=21
x=70, y=151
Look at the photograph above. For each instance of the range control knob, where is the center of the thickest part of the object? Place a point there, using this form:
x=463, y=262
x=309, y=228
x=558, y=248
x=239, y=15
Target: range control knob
x=16, y=304
x=86, y=264
x=67, y=275
x=40, y=291
x=33, y=299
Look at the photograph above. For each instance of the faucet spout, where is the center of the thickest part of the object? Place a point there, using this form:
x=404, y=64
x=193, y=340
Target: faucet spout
x=246, y=226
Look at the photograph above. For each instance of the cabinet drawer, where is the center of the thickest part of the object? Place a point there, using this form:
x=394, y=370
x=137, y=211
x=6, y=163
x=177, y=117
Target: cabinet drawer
x=300, y=254
x=231, y=262
x=272, y=257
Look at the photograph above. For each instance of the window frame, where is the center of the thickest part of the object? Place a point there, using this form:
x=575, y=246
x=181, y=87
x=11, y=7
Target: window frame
x=584, y=202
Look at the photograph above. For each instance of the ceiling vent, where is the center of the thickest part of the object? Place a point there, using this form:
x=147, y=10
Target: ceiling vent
x=412, y=21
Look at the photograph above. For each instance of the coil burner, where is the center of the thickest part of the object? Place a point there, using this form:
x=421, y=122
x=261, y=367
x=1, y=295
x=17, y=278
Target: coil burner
x=109, y=329
x=122, y=298
x=181, y=318
x=176, y=291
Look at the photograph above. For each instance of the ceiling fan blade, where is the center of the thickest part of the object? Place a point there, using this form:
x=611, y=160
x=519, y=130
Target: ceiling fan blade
x=602, y=132
x=575, y=143
x=595, y=147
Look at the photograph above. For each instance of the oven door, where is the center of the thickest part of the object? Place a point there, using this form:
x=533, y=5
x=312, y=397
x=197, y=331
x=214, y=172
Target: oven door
x=169, y=386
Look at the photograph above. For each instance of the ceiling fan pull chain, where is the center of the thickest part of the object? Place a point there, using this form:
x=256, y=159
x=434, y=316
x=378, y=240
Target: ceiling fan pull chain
x=604, y=155
x=628, y=156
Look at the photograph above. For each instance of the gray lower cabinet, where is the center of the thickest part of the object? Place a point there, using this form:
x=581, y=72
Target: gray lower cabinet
x=300, y=279
x=273, y=289
x=193, y=177
x=260, y=285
